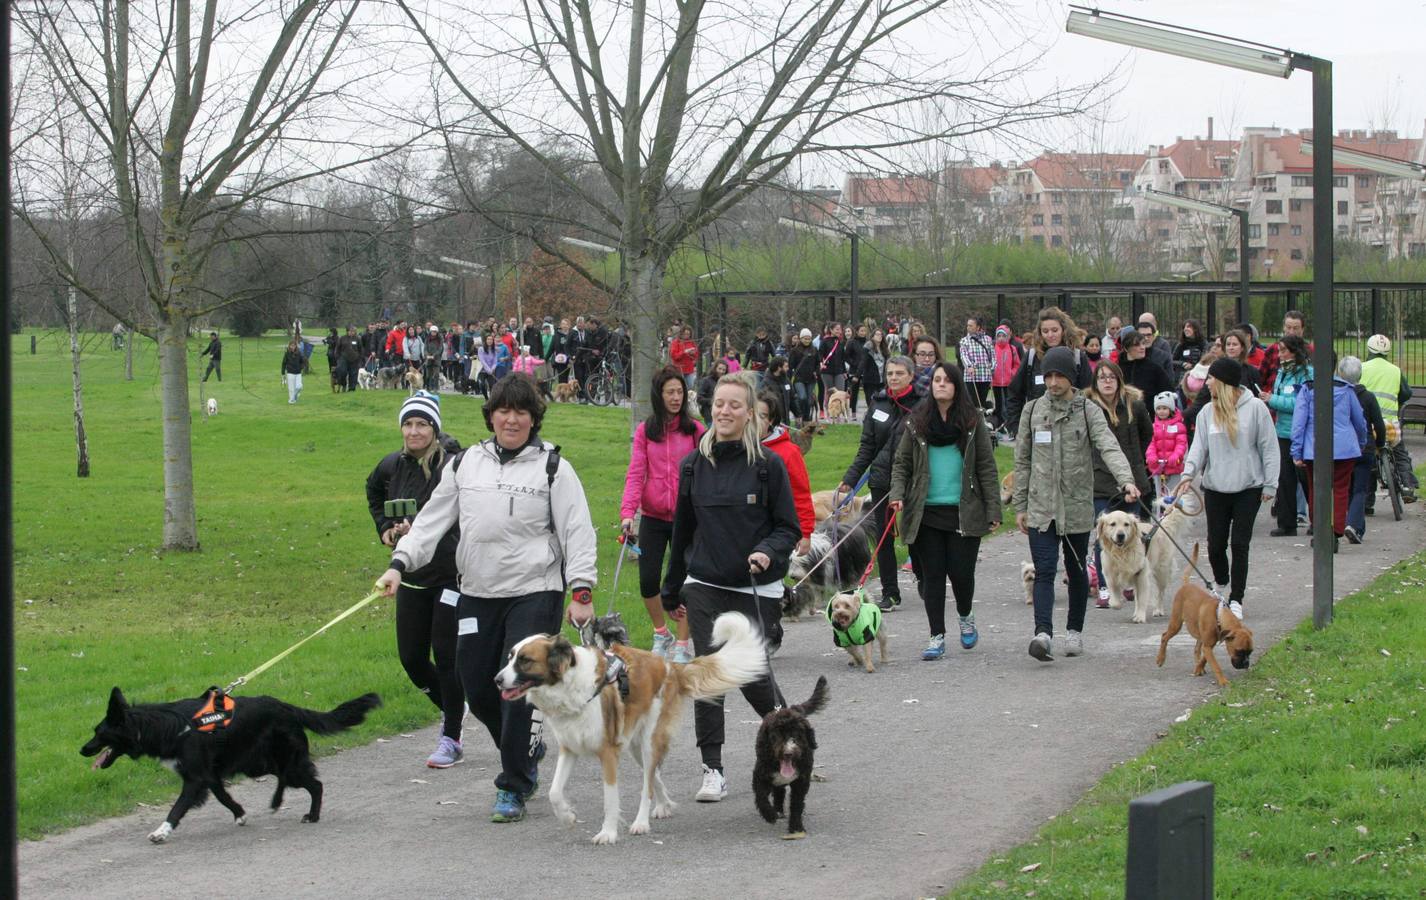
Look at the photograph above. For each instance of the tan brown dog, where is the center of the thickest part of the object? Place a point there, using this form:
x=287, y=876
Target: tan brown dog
x=1210, y=622
x=824, y=501
x=1007, y=488
x=565, y=392
x=855, y=620
x=802, y=437
x=413, y=380
x=839, y=406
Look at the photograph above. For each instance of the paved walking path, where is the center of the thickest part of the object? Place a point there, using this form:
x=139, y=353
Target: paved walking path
x=930, y=768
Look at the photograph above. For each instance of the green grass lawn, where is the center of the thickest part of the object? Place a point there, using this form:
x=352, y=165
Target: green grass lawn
x=1318, y=758
x=286, y=544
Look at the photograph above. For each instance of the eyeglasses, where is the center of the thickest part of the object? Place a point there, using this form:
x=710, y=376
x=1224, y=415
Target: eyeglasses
x=925, y=354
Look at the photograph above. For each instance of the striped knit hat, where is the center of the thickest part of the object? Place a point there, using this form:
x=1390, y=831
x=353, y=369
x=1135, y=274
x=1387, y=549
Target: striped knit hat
x=423, y=404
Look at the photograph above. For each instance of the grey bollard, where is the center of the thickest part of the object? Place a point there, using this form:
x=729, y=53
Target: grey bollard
x=32, y=345
x=1171, y=844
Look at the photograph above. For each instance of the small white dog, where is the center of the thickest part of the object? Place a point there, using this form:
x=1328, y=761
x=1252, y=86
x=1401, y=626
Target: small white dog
x=212, y=406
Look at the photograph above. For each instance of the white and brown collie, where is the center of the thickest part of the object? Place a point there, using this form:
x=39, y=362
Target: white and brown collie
x=589, y=715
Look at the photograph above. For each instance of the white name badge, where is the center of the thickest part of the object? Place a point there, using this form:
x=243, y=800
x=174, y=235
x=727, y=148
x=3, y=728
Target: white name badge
x=1289, y=388
x=468, y=626
x=880, y=415
x=1042, y=437
x=1188, y=353
x=450, y=598
x=1039, y=379
x=1172, y=429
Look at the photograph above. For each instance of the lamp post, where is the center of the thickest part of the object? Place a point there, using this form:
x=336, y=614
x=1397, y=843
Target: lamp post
x=856, y=248
x=1219, y=211
x=698, y=314
x=1268, y=60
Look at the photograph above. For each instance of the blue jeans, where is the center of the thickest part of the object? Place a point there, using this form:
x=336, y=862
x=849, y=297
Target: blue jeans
x=1045, y=553
x=1362, y=486
x=802, y=394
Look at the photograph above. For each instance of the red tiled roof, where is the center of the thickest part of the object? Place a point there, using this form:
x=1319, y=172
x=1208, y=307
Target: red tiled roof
x=966, y=181
x=1071, y=171
x=1284, y=154
x=890, y=190
x=1198, y=159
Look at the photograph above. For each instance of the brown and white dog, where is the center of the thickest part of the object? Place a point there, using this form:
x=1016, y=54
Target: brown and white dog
x=584, y=710
x=1210, y=622
x=413, y=380
x=839, y=406
x=1127, y=564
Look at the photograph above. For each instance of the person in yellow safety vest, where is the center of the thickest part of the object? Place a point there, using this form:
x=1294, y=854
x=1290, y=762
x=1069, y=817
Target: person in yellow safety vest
x=1391, y=389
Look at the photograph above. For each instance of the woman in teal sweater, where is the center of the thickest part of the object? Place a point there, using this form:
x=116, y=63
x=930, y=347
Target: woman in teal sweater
x=945, y=489
x=1294, y=371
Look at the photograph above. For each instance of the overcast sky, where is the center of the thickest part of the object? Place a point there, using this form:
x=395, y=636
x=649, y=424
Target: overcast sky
x=1376, y=49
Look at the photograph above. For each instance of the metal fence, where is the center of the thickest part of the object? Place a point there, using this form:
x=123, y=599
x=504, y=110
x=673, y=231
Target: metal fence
x=1360, y=309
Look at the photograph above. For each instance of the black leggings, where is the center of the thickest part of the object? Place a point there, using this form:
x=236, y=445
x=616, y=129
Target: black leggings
x=486, y=629
x=705, y=603
x=426, y=627
x=941, y=555
x=1285, y=503
x=886, y=556
x=1230, y=524
x=654, y=535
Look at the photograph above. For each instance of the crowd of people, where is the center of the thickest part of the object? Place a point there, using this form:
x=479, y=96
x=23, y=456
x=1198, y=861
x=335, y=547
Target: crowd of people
x=1124, y=419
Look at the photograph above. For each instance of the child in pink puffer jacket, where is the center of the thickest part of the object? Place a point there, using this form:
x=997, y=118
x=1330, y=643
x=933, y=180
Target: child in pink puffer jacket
x=1170, y=444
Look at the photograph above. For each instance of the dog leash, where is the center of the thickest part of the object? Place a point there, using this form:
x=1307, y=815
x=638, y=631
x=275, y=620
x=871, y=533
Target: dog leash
x=1158, y=527
x=847, y=537
x=762, y=627
x=284, y=654
x=890, y=521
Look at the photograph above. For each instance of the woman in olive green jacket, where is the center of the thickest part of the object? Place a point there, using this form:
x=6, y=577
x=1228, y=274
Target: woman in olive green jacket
x=945, y=488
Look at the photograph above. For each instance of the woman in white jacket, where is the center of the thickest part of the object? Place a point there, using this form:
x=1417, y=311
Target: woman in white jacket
x=1235, y=452
x=525, y=537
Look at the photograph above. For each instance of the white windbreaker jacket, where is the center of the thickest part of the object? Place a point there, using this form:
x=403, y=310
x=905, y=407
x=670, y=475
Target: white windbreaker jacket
x=504, y=510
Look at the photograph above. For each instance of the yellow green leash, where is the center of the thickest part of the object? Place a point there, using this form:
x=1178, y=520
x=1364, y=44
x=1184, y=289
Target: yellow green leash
x=284, y=654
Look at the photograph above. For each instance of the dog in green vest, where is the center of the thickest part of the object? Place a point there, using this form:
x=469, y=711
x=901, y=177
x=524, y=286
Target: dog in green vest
x=856, y=621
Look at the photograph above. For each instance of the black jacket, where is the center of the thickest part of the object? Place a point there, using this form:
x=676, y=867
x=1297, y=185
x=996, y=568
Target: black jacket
x=759, y=353
x=1029, y=383
x=214, y=349
x=802, y=361
x=1187, y=354
x=399, y=477
x=1147, y=376
x=349, y=349
x=856, y=353
x=293, y=362
x=833, y=355
x=530, y=337
x=1371, y=409
x=724, y=514
x=881, y=429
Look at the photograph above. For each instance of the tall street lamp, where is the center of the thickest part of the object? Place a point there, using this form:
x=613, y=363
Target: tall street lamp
x=1268, y=60
x=856, y=248
x=1217, y=210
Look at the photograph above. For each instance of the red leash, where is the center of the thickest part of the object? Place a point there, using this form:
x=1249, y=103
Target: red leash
x=890, y=521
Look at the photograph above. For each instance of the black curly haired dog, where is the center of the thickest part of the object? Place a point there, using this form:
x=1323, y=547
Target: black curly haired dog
x=786, y=743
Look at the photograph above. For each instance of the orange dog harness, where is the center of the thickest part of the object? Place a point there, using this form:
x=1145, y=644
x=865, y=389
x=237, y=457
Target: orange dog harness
x=216, y=711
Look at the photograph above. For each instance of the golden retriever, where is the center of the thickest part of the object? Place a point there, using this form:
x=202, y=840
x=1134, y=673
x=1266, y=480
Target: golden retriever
x=1209, y=621
x=839, y=406
x=1127, y=564
x=565, y=392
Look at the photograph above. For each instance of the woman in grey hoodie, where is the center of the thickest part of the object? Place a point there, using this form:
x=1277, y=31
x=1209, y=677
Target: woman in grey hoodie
x=1235, y=452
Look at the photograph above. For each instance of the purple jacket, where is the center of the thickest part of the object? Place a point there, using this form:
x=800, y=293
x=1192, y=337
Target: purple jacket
x=1349, y=426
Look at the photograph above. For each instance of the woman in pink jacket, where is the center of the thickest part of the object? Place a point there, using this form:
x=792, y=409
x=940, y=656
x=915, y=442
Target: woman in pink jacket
x=1007, y=363
x=651, y=489
x=1166, y=451
x=527, y=363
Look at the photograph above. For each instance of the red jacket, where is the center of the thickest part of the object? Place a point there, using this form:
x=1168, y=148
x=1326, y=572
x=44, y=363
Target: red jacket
x=684, y=354
x=780, y=442
x=396, y=342
x=1166, y=451
x=508, y=340
x=651, y=484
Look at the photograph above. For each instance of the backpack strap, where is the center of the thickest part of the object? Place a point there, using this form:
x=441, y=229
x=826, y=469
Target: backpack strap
x=552, y=467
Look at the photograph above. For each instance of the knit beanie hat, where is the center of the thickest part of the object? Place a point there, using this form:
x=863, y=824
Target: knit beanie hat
x=1059, y=360
x=1002, y=331
x=423, y=404
x=806, y=332
x=1166, y=398
x=1228, y=371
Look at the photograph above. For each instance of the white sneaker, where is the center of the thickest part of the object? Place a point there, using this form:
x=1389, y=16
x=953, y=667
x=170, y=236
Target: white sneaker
x=715, y=787
x=1236, y=609
x=1074, y=644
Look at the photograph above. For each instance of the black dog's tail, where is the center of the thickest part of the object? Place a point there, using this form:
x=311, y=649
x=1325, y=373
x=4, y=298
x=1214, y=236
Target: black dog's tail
x=816, y=701
x=347, y=715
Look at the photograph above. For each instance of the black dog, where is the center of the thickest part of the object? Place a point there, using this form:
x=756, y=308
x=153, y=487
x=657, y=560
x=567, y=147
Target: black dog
x=786, y=742
x=257, y=736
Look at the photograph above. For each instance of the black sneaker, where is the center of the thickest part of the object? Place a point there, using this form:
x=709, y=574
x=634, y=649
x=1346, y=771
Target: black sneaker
x=1352, y=535
x=888, y=602
x=1283, y=532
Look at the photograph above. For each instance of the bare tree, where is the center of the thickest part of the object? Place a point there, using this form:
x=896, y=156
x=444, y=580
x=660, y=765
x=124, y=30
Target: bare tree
x=686, y=107
x=201, y=113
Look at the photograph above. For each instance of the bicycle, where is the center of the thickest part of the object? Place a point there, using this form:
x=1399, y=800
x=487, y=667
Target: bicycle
x=606, y=385
x=1386, y=475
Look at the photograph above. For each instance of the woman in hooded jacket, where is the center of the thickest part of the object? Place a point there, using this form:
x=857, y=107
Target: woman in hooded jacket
x=661, y=442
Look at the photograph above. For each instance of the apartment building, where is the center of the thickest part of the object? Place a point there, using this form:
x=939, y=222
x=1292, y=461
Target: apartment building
x=1204, y=169
x=896, y=207
x=1072, y=201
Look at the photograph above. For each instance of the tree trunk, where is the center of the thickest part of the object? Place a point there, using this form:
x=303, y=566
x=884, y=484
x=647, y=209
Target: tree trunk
x=81, y=441
x=180, y=528
x=644, y=284
x=129, y=337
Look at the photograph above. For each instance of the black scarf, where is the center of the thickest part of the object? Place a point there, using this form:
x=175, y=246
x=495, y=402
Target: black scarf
x=941, y=432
